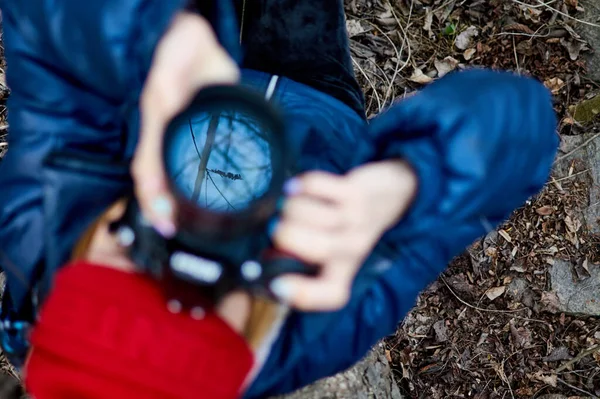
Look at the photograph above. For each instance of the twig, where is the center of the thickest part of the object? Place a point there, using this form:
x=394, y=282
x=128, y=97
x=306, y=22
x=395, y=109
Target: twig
x=591, y=395
x=404, y=41
x=210, y=139
x=578, y=358
x=538, y=6
x=516, y=56
x=579, y=147
x=379, y=107
x=547, y=5
x=571, y=176
x=476, y=307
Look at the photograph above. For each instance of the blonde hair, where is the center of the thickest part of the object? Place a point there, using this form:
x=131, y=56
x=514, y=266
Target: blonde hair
x=265, y=317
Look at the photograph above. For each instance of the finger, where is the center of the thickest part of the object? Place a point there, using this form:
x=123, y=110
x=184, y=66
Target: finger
x=322, y=185
x=176, y=75
x=150, y=181
x=312, y=212
x=328, y=292
x=309, y=244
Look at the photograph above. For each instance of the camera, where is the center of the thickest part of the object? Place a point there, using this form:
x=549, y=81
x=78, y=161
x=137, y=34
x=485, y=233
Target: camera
x=227, y=158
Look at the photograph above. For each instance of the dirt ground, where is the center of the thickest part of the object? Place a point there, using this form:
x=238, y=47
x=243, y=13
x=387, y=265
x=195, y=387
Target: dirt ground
x=491, y=326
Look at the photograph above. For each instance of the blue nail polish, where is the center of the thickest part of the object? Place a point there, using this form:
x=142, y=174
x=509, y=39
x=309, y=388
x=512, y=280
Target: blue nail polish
x=272, y=226
x=166, y=229
x=162, y=206
x=292, y=186
x=281, y=289
x=280, y=204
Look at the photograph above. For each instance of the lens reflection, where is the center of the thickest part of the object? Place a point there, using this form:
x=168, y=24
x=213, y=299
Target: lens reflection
x=220, y=161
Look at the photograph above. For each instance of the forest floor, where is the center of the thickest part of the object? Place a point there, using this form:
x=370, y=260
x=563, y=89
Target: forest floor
x=496, y=324
x=499, y=323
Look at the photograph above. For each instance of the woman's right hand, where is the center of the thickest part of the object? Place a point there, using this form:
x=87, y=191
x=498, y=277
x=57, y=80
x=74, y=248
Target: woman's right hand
x=187, y=58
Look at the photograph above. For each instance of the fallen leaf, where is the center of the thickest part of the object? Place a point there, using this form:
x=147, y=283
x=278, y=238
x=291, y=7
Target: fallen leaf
x=445, y=66
x=546, y=379
x=573, y=225
x=572, y=3
x=469, y=53
x=545, y=211
x=550, y=301
x=554, y=85
x=516, y=27
x=441, y=332
x=521, y=335
x=495, y=292
x=558, y=354
x=419, y=77
x=355, y=28
x=574, y=47
x=465, y=38
x=428, y=21
x=585, y=265
x=505, y=235
x=518, y=267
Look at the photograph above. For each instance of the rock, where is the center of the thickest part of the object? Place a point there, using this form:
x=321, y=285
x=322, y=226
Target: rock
x=589, y=154
x=587, y=110
x=576, y=297
x=441, y=332
x=591, y=34
x=371, y=378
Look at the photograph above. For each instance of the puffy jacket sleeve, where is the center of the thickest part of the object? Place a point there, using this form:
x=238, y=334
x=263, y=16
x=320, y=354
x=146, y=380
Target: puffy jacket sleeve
x=104, y=45
x=75, y=69
x=481, y=143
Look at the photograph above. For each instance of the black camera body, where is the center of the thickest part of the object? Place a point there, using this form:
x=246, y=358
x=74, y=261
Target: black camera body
x=227, y=159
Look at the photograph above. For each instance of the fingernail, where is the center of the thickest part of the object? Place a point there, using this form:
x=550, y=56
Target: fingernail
x=162, y=206
x=281, y=289
x=272, y=226
x=165, y=228
x=292, y=186
x=280, y=204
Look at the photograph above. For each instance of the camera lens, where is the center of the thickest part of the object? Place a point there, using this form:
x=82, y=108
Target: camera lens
x=221, y=160
x=225, y=155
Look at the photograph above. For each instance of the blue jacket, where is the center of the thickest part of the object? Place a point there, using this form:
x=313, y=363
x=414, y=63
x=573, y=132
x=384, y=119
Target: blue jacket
x=481, y=143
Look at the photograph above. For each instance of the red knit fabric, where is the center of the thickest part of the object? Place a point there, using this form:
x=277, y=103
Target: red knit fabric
x=108, y=334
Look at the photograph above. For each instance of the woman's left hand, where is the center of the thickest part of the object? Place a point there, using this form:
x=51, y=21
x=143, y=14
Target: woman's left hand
x=334, y=222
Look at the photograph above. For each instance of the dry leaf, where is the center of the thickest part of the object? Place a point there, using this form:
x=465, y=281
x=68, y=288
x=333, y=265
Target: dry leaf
x=572, y=3
x=355, y=28
x=495, y=292
x=558, y=354
x=505, y=235
x=518, y=268
x=521, y=335
x=545, y=211
x=419, y=77
x=585, y=265
x=550, y=301
x=469, y=53
x=445, y=66
x=428, y=21
x=554, y=85
x=573, y=225
x=547, y=379
x=465, y=38
x=574, y=47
